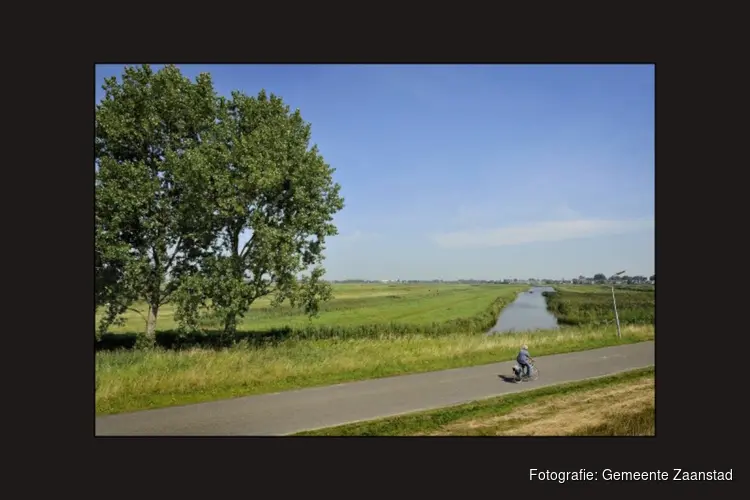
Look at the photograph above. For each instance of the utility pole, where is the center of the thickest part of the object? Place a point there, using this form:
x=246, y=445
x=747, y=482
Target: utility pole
x=614, y=303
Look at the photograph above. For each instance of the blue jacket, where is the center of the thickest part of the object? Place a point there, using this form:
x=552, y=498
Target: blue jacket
x=523, y=356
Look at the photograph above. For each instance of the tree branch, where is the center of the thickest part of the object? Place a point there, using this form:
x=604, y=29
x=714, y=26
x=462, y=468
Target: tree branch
x=155, y=291
x=235, y=239
x=167, y=295
x=137, y=311
x=155, y=256
x=248, y=246
x=128, y=308
x=176, y=251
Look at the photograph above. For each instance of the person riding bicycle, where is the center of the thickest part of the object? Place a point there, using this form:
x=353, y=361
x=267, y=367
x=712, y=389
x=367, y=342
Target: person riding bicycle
x=523, y=359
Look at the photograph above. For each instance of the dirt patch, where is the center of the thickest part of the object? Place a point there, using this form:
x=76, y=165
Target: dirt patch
x=560, y=415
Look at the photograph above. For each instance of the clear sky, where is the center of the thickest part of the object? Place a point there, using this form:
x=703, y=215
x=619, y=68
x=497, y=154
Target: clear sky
x=475, y=171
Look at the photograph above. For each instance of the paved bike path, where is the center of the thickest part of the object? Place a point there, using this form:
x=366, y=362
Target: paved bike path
x=305, y=409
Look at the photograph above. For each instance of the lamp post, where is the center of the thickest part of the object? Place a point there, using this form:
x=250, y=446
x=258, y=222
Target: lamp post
x=614, y=303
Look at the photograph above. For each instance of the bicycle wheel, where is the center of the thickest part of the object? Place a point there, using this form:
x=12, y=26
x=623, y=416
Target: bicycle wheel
x=534, y=374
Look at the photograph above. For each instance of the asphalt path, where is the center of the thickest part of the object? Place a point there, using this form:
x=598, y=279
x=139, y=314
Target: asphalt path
x=289, y=412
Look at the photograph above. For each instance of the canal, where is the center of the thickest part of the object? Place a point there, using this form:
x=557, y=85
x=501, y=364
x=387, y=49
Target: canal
x=527, y=313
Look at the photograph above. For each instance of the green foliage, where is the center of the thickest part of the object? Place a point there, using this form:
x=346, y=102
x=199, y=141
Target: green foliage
x=594, y=306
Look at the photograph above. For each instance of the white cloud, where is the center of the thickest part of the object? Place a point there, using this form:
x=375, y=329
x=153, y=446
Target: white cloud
x=539, y=232
x=490, y=212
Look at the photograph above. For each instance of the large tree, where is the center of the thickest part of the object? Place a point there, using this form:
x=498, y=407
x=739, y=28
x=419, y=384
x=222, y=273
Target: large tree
x=152, y=215
x=276, y=204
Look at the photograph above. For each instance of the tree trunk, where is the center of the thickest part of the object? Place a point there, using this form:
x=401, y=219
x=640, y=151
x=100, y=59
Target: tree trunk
x=230, y=320
x=230, y=325
x=153, y=313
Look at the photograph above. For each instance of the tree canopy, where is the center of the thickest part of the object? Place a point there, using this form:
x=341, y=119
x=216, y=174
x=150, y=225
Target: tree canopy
x=277, y=192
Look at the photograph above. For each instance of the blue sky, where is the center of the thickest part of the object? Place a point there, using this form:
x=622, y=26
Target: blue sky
x=475, y=171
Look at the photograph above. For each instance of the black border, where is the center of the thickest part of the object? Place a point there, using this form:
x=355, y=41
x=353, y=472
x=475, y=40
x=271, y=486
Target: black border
x=696, y=416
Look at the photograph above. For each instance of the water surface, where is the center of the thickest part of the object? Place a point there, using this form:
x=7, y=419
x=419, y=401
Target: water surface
x=527, y=313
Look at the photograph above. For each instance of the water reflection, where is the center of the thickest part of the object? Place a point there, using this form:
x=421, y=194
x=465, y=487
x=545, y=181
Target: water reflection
x=528, y=312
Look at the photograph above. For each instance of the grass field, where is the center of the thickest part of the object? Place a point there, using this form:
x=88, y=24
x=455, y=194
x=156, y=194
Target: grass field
x=136, y=380
x=592, y=305
x=356, y=311
x=618, y=405
x=356, y=305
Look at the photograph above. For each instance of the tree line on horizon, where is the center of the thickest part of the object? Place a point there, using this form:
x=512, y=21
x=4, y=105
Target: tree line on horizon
x=631, y=280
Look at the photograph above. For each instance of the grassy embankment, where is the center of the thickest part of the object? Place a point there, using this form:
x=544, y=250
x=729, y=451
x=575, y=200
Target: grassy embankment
x=339, y=346
x=618, y=405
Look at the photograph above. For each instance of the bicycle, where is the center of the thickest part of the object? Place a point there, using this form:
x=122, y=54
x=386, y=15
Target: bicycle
x=520, y=376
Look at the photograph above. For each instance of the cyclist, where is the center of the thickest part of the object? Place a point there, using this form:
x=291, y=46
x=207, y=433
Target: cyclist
x=523, y=359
